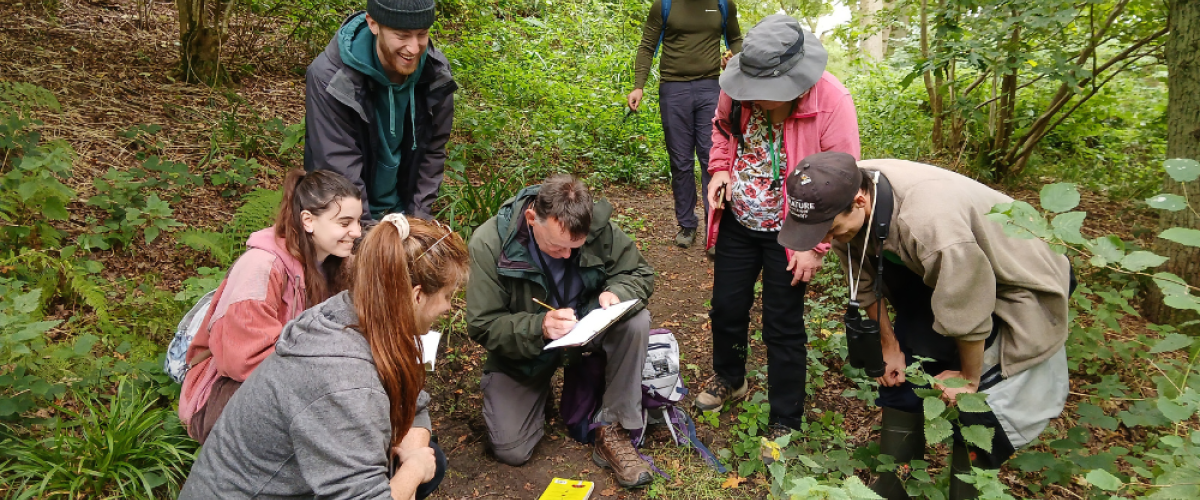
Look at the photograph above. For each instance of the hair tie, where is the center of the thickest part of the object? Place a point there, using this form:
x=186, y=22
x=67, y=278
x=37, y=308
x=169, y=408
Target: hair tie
x=401, y=223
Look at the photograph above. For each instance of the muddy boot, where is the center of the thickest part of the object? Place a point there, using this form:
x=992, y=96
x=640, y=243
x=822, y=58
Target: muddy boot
x=614, y=449
x=960, y=463
x=902, y=437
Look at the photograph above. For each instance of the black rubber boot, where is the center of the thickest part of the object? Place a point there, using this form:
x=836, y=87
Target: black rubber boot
x=960, y=463
x=902, y=437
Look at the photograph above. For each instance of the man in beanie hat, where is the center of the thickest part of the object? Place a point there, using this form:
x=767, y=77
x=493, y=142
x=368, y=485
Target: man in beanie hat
x=777, y=105
x=689, y=33
x=380, y=106
x=983, y=306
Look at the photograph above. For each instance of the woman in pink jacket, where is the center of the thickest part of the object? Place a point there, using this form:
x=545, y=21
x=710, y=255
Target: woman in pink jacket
x=287, y=268
x=777, y=105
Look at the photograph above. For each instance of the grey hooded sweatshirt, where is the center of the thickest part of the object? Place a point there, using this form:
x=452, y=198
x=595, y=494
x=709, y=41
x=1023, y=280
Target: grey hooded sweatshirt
x=310, y=422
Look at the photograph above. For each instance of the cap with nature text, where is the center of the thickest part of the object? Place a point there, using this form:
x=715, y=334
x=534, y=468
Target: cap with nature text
x=821, y=186
x=402, y=14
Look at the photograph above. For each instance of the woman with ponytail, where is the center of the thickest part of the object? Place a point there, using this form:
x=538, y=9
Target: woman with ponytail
x=338, y=410
x=287, y=268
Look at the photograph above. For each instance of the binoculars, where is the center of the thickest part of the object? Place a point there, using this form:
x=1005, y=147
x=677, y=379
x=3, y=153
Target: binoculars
x=862, y=338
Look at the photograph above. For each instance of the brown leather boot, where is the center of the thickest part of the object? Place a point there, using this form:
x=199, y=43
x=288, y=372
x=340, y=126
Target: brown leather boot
x=614, y=449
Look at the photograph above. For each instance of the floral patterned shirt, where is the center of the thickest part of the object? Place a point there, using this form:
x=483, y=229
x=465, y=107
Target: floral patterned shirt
x=755, y=204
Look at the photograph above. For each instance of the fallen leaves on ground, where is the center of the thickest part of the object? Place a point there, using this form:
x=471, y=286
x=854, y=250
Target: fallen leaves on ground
x=733, y=482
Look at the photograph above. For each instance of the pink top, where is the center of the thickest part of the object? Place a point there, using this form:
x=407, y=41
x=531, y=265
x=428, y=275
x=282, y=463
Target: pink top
x=262, y=292
x=824, y=120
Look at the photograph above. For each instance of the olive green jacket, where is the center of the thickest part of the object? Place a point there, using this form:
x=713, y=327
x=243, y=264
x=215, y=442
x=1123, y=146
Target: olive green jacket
x=501, y=314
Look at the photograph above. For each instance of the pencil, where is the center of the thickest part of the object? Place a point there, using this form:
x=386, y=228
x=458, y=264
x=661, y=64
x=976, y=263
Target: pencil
x=543, y=304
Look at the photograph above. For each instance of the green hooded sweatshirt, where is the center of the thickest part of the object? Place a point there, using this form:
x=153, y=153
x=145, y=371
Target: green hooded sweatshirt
x=501, y=315
x=392, y=102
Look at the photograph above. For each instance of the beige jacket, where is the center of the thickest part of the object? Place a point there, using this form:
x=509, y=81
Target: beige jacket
x=941, y=232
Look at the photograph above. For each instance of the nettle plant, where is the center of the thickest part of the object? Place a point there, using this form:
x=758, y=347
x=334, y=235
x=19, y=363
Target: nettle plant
x=1167, y=464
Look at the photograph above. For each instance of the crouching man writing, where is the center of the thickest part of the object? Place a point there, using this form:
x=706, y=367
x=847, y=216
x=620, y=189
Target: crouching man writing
x=552, y=244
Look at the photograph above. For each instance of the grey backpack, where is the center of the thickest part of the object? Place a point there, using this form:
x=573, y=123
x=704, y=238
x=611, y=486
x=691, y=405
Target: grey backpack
x=176, y=363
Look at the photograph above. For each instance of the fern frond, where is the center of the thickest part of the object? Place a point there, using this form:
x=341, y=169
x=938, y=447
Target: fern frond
x=259, y=211
x=89, y=292
x=218, y=245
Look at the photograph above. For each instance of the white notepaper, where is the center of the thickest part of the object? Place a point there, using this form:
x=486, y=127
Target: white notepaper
x=429, y=347
x=591, y=325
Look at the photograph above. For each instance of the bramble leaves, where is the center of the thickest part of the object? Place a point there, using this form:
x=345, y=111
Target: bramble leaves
x=937, y=430
x=1094, y=415
x=933, y=408
x=973, y=403
x=1105, y=250
x=1183, y=236
x=1141, y=260
x=1059, y=197
x=979, y=436
x=1182, y=169
x=1100, y=478
x=1172, y=342
x=1168, y=202
x=1067, y=227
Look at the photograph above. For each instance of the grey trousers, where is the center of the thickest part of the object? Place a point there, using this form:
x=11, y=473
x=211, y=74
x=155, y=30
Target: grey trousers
x=687, y=110
x=515, y=412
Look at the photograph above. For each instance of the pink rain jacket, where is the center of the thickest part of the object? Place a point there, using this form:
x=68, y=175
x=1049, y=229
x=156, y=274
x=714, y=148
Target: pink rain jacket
x=824, y=120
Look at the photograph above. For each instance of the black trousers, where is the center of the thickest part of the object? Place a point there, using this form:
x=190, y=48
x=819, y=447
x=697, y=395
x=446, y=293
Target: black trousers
x=741, y=255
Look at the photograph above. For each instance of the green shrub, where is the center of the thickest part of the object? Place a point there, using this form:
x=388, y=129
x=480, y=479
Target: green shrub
x=31, y=190
x=120, y=446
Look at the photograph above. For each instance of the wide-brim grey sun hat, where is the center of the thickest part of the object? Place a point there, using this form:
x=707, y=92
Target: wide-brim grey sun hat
x=779, y=61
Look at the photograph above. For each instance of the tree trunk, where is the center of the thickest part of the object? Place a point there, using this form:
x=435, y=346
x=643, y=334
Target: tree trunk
x=202, y=31
x=932, y=85
x=1007, y=105
x=874, y=46
x=1183, y=141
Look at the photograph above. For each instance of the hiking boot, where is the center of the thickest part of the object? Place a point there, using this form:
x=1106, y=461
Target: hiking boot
x=614, y=449
x=685, y=237
x=718, y=392
x=770, y=451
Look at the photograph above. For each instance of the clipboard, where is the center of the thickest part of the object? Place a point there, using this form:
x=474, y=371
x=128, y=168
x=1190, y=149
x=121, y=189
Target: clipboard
x=595, y=323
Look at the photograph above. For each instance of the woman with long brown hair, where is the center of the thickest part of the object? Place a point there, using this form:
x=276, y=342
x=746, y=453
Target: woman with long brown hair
x=338, y=410
x=287, y=268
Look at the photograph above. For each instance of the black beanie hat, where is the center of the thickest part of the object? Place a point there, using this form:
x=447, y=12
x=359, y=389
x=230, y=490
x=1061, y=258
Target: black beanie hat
x=402, y=14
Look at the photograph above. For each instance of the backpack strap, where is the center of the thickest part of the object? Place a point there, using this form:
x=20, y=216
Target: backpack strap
x=723, y=6
x=689, y=428
x=734, y=119
x=666, y=11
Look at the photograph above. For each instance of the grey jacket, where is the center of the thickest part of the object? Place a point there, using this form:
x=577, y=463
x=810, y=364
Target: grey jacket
x=341, y=134
x=310, y=422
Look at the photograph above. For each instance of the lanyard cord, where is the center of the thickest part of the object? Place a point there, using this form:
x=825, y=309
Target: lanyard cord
x=866, y=242
x=771, y=148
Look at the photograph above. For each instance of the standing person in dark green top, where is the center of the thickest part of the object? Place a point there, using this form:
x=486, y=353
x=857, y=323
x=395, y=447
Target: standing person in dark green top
x=687, y=90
